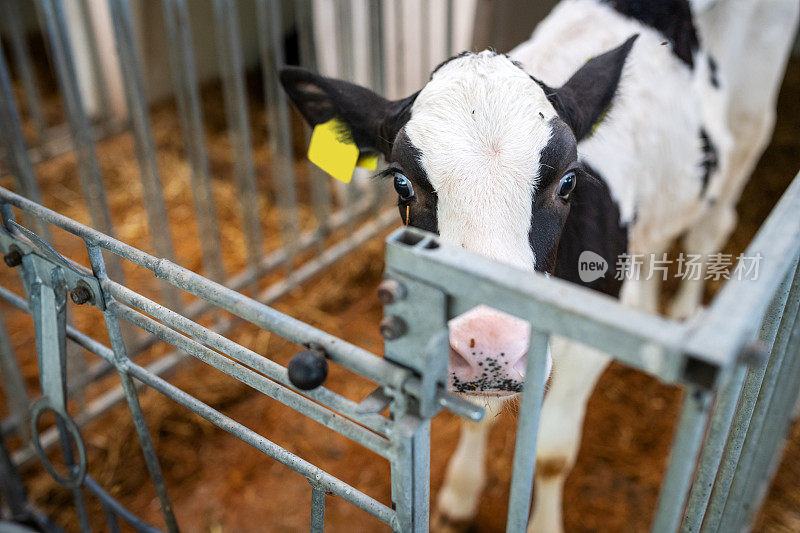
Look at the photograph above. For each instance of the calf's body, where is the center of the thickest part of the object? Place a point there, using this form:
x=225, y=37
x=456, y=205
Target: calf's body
x=618, y=127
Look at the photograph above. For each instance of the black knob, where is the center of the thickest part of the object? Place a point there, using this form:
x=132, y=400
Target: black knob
x=308, y=369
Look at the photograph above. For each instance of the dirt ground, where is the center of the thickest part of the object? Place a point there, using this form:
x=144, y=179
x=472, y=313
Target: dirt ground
x=218, y=483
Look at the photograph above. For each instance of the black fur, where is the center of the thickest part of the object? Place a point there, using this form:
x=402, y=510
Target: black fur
x=555, y=160
x=671, y=18
x=712, y=72
x=593, y=224
x=373, y=120
x=586, y=97
x=422, y=208
x=710, y=159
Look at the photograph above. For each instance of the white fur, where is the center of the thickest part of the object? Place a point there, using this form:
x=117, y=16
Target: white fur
x=647, y=148
x=648, y=151
x=487, y=111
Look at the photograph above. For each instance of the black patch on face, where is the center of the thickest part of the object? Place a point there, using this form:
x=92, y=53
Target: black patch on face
x=671, y=18
x=549, y=212
x=593, y=224
x=421, y=209
x=712, y=72
x=710, y=159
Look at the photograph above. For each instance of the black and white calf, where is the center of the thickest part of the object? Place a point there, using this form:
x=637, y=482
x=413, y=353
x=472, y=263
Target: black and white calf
x=620, y=126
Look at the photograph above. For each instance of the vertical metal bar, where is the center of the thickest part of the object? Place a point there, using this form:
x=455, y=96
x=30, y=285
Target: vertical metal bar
x=48, y=300
x=761, y=425
x=721, y=419
x=399, y=47
x=135, y=97
x=345, y=70
x=410, y=470
x=319, y=182
x=129, y=389
x=527, y=433
x=344, y=39
x=80, y=128
x=69, y=462
x=83, y=142
x=425, y=42
x=48, y=304
x=22, y=58
x=774, y=432
x=11, y=487
x=97, y=72
x=13, y=385
x=317, y=509
x=683, y=456
x=450, y=28
x=726, y=499
x=226, y=24
x=178, y=24
x=733, y=448
x=740, y=382
x=378, y=81
x=13, y=141
x=376, y=51
x=280, y=142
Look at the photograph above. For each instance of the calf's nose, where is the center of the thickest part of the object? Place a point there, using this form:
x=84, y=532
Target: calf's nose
x=488, y=351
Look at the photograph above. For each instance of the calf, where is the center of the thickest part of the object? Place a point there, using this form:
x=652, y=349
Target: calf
x=617, y=128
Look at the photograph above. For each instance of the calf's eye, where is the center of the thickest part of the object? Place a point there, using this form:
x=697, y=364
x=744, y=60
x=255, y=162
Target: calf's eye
x=403, y=187
x=567, y=184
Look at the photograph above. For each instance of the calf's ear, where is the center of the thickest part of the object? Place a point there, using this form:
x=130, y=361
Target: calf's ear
x=586, y=97
x=373, y=120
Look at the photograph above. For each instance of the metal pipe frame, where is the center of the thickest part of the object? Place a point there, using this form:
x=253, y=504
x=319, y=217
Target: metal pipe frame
x=751, y=408
x=738, y=394
x=119, y=302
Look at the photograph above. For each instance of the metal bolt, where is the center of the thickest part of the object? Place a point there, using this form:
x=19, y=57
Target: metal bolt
x=80, y=295
x=13, y=258
x=391, y=291
x=393, y=327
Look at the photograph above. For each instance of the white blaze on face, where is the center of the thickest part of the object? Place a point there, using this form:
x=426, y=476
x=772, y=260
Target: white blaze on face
x=480, y=125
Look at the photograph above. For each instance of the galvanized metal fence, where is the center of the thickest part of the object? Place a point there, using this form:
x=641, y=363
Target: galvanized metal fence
x=738, y=361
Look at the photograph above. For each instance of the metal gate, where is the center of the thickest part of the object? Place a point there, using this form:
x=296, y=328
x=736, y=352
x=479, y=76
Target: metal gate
x=738, y=361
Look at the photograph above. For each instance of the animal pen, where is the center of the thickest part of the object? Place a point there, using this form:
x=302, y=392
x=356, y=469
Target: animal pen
x=738, y=361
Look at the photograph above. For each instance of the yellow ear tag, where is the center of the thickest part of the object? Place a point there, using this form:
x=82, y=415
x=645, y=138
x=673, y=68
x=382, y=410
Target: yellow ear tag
x=332, y=150
x=368, y=161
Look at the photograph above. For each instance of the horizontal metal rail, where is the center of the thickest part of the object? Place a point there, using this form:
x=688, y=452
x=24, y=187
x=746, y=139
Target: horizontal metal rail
x=256, y=381
x=150, y=378
x=317, y=475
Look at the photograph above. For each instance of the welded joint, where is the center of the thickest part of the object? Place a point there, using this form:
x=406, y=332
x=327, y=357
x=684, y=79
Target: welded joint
x=23, y=247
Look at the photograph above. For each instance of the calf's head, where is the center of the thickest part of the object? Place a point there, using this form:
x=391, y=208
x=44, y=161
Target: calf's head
x=486, y=156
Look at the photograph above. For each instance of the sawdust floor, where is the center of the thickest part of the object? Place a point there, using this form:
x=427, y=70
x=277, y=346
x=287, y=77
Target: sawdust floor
x=218, y=483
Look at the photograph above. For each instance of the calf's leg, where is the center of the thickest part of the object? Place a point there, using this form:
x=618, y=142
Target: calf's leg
x=576, y=369
x=465, y=476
